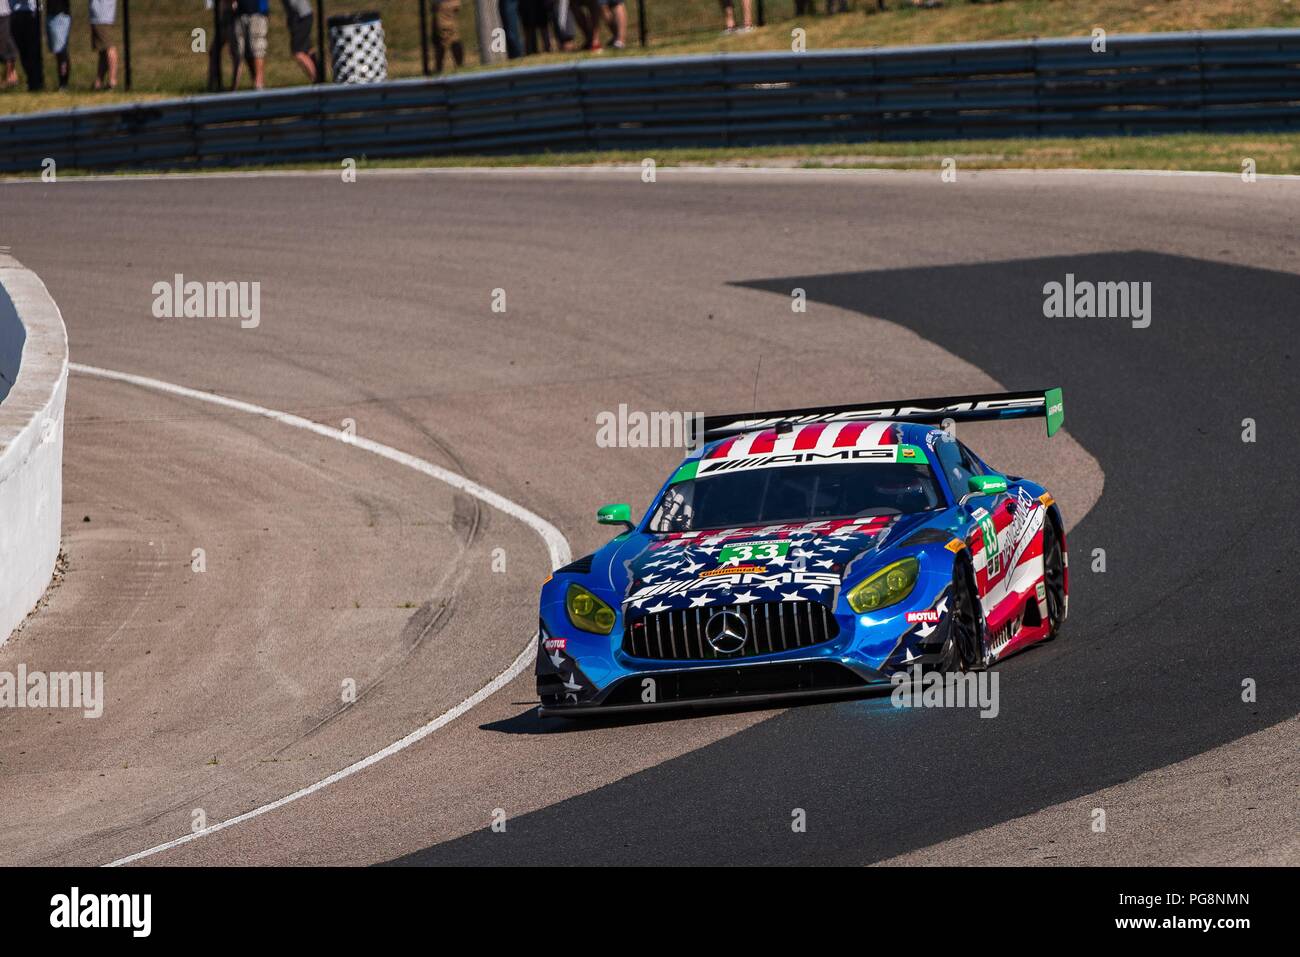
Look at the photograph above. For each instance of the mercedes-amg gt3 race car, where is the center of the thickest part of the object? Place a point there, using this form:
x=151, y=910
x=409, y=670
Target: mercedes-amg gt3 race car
x=811, y=552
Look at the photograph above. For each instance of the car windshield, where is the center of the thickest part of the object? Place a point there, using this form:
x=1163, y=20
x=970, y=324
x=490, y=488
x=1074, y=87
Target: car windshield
x=796, y=494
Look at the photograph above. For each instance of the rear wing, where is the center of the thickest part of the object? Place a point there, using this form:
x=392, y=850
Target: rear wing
x=993, y=406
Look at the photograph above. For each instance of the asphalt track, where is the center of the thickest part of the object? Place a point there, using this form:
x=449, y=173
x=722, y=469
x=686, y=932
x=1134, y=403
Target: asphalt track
x=223, y=687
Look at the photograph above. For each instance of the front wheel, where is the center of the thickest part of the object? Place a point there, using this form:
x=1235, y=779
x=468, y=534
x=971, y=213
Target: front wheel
x=966, y=647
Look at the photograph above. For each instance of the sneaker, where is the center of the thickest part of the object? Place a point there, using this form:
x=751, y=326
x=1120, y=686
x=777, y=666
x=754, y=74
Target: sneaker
x=618, y=45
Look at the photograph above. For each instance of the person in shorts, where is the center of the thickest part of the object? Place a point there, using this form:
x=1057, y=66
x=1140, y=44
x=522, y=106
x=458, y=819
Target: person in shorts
x=103, y=40
x=615, y=12
x=8, y=52
x=729, y=16
x=446, y=33
x=246, y=34
x=298, y=18
x=58, y=25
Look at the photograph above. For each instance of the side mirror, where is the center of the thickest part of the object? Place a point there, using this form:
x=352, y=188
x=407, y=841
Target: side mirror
x=620, y=514
x=987, y=484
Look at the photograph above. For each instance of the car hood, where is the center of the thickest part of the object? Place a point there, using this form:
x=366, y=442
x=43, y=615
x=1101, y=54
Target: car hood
x=761, y=563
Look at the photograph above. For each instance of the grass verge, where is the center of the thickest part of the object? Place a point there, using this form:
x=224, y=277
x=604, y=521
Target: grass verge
x=1272, y=153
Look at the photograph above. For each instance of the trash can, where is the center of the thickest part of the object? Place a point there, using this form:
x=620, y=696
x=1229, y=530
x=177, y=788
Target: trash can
x=357, y=48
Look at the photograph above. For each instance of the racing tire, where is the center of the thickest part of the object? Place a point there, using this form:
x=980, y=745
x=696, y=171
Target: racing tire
x=1053, y=578
x=966, y=647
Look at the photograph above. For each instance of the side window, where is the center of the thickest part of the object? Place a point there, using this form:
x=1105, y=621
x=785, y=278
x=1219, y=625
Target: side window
x=969, y=462
x=955, y=470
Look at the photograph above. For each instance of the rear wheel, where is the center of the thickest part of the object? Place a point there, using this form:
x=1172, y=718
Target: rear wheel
x=966, y=648
x=1053, y=577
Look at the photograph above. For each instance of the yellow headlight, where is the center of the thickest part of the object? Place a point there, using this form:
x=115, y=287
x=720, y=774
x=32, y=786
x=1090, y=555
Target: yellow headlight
x=588, y=612
x=891, y=584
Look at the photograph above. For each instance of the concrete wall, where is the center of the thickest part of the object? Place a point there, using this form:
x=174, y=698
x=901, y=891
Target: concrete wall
x=34, y=370
x=12, y=336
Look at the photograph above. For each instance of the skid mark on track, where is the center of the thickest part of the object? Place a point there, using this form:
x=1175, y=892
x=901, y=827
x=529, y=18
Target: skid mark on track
x=428, y=620
x=556, y=544
x=396, y=407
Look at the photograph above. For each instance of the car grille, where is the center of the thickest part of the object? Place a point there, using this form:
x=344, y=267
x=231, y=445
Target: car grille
x=720, y=682
x=770, y=627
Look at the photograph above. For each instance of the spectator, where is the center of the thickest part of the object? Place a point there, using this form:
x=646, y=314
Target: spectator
x=446, y=34
x=103, y=14
x=25, y=24
x=729, y=16
x=587, y=13
x=8, y=52
x=533, y=26
x=58, y=25
x=560, y=16
x=298, y=19
x=247, y=39
x=616, y=17
x=509, y=13
x=836, y=6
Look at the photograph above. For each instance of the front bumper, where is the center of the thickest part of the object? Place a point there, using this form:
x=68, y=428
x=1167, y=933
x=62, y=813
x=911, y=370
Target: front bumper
x=581, y=673
x=722, y=686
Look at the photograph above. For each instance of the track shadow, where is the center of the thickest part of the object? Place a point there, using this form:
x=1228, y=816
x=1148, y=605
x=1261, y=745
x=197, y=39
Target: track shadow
x=531, y=722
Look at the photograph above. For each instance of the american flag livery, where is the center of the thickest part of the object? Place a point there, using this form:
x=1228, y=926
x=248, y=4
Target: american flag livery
x=688, y=570
x=720, y=536
x=815, y=437
x=1010, y=562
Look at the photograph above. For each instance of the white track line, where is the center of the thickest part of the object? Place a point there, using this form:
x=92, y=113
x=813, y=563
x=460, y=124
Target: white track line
x=557, y=545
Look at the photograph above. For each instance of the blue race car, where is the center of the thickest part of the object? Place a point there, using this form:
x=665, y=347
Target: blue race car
x=810, y=552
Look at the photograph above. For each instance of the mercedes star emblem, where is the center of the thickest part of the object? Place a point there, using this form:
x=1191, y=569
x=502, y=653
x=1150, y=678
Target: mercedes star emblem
x=725, y=631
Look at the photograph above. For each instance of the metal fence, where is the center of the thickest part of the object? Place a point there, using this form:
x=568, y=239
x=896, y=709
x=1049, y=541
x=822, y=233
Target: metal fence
x=1223, y=81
